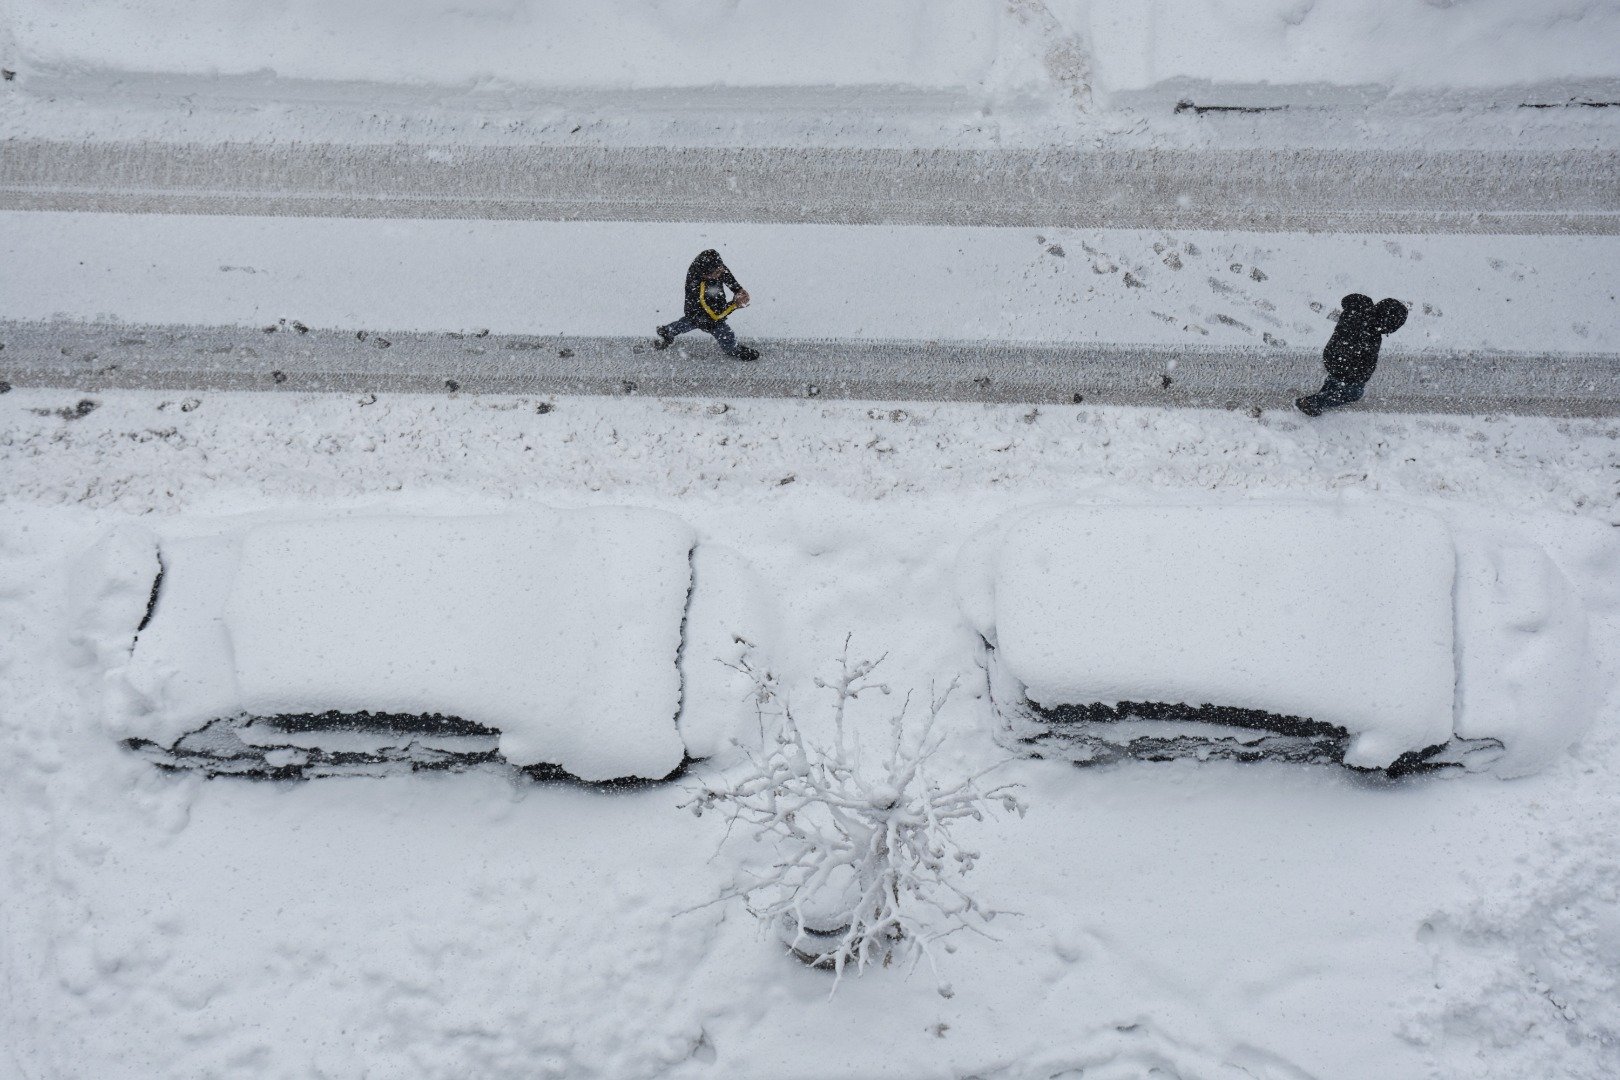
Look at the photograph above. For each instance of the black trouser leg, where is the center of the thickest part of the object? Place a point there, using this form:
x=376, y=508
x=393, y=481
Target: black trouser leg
x=1334, y=393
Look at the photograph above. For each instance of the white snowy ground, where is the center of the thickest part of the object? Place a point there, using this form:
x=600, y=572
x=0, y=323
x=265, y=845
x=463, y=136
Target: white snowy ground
x=1131, y=286
x=1210, y=921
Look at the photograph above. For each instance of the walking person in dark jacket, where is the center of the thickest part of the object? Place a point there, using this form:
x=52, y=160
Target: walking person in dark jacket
x=707, y=306
x=1351, y=354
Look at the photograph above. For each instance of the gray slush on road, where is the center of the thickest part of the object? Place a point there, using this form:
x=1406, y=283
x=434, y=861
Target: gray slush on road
x=106, y=356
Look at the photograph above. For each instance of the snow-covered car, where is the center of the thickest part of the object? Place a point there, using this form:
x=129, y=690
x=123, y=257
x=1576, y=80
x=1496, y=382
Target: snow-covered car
x=1373, y=636
x=559, y=642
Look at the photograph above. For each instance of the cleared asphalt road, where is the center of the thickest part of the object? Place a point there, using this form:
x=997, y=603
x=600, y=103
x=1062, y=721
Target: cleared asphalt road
x=90, y=357
x=1574, y=191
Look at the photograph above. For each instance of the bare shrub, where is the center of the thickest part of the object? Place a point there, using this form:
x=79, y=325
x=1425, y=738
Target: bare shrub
x=864, y=868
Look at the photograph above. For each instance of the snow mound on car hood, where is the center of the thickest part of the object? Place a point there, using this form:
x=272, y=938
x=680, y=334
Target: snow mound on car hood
x=1525, y=671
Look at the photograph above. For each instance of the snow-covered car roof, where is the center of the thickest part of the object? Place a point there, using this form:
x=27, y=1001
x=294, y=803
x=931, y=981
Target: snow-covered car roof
x=560, y=630
x=1337, y=615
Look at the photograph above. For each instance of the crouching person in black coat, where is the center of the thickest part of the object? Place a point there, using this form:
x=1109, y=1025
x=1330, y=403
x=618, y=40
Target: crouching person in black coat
x=1351, y=355
x=707, y=305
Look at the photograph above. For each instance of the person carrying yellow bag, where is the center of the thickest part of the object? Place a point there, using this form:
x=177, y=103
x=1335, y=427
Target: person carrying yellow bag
x=712, y=294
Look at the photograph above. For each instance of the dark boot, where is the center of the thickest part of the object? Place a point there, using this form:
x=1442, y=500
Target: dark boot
x=665, y=339
x=746, y=353
x=1308, y=406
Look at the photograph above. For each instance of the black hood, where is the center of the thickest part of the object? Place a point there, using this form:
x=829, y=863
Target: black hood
x=706, y=263
x=1388, y=315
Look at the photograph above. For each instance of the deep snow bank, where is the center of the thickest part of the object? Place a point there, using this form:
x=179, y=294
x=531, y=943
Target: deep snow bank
x=1335, y=51
x=495, y=44
x=1152, y=49
x=562, y=631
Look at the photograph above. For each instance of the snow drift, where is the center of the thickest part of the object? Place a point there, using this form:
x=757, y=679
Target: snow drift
x=536, y=639
x=1283, y=52
x=1323, y=631
x=1253, y=51
x=502, y=44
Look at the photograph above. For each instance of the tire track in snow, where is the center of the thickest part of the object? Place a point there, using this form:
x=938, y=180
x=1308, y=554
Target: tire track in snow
x=1287, y=189
x=101, y=356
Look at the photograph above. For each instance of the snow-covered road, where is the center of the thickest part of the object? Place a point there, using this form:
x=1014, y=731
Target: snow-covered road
x=1538, y=294
x=95, y=357
x=1247, y=188
x=1194, y=317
